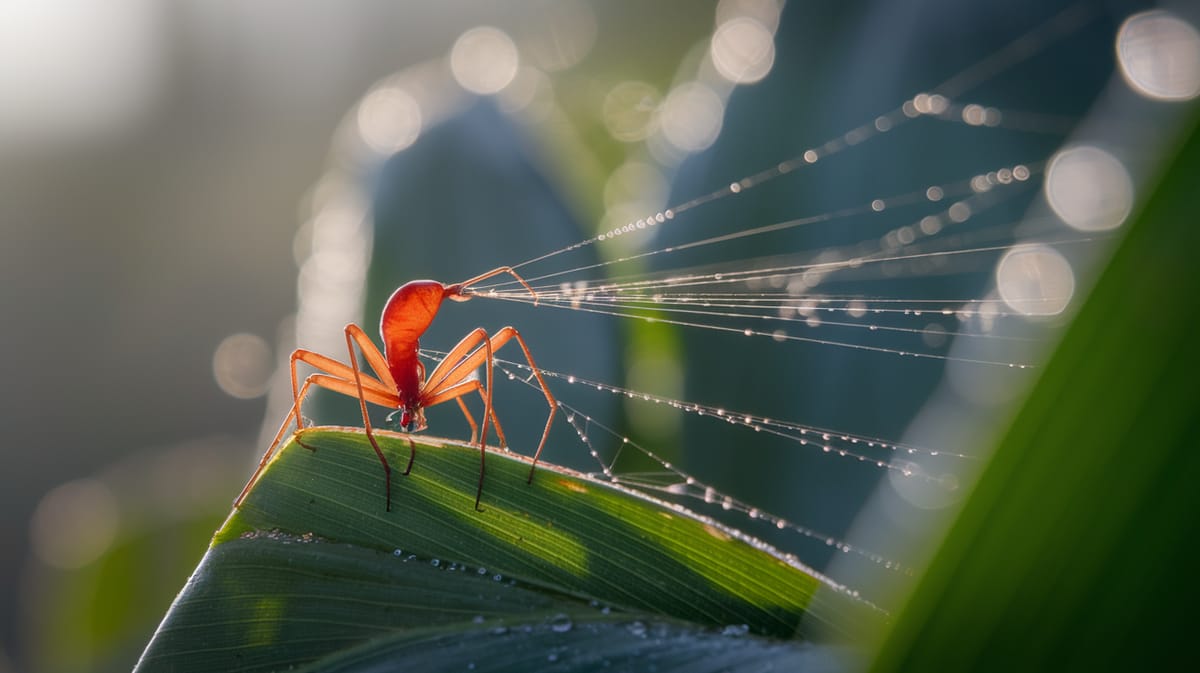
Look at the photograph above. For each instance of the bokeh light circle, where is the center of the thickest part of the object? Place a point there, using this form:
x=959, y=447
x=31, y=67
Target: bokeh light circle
x=1159, y=56
x=1035, y=280
x=692, y=116
x=242, y=365
x=742, y=50
x=630, y=111
x=389, y=120
x=1088, y=188
x=74, y=524
x=484, y=60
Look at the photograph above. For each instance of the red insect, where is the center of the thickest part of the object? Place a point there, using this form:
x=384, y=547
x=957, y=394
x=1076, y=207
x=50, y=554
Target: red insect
x=400, y=382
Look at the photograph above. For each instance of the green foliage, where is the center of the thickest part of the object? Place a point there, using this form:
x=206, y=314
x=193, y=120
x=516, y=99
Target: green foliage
x=314, y=568
x=1073, y=551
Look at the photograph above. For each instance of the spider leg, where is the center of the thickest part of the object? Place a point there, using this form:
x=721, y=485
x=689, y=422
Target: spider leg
x=456, y=393
x=372, y=355
x=362, y=403
x=328, y=365
x=262, y=463
x=498, y=340
x=320, y=362
x=325, y=381
x=496, y=272
x=458, y=370
x=455, y=366
x=470, y=419
x=502, y=337
x=450, y=373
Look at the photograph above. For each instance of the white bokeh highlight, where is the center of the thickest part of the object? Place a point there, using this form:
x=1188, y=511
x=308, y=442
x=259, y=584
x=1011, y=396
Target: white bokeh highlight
x=1088, y=188
x=691, y=117
x=1159, y=56
x=242, y=365
x=389, y=120
x=484, y=60
x=1035, y=280
x=742, y=50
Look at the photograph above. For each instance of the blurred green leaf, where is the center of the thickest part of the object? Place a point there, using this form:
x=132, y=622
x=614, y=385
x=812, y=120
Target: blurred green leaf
x=1074, y=549
x=313, y=564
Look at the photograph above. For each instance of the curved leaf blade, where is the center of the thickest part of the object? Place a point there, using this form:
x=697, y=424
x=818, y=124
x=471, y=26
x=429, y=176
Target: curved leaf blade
x=571, y=544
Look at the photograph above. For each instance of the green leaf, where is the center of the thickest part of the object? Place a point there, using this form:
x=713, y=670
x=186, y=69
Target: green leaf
x=314, y=563
x=1075, y=549
x=558, y=644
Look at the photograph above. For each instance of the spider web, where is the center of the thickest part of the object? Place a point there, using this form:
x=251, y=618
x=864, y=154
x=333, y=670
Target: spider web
x=867, y=290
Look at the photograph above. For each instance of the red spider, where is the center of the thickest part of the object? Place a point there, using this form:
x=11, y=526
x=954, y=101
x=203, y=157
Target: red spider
x=400, y=382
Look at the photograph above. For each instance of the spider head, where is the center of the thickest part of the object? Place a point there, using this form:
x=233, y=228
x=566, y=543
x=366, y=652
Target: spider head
x=407, y=419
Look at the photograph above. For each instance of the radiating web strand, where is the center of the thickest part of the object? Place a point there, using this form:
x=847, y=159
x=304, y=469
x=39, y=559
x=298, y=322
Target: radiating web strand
x=684, y=485
x=728, y=277
x=609, y=308
x=749, y=332
x=1020, y=49
x=690, y=488
x=678, y=278
x=797, y=303
x=751, y=421
x=869, y=208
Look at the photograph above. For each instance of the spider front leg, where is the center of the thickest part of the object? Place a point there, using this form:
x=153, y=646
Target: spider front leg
x=499, y=340
x=448, y=381
x=475, y=426
x=354, y=334
x=373, y=394
x=459, y=291
x=457, y=366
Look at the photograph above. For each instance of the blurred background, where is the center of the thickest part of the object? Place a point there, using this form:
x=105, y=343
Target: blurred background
x=189, y=190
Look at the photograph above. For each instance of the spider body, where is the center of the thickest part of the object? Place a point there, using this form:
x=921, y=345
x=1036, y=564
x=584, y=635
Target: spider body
x=399, y=382
x=408, y=313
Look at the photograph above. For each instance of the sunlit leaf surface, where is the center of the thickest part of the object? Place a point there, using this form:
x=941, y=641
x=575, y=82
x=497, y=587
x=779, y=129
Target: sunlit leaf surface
x=314, y=563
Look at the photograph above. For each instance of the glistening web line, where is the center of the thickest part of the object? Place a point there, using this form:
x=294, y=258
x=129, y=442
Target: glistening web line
x=825, y=261
x=844, y=444
x=608, y=298
x=936, y=105
x=978, y=197
x=673, y=481
x=656, y=305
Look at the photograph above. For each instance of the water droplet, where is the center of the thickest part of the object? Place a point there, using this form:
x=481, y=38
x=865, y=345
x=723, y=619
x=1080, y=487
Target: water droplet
x=561, y=623
x=638, y=629
x=736, y=630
